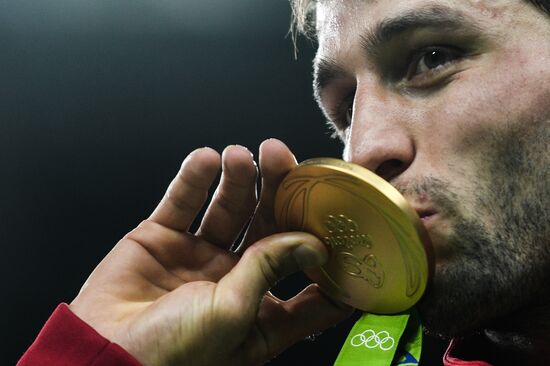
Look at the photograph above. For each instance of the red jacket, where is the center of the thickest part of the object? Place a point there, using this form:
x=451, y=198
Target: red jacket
x=67, y=340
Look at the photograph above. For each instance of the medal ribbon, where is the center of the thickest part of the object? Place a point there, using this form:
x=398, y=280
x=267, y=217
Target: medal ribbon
x=383, y=340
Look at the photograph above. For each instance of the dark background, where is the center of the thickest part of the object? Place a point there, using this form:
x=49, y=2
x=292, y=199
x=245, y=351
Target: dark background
x=100, y=101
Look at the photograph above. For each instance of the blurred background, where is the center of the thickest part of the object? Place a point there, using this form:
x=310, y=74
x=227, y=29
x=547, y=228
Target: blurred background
x=100, y=101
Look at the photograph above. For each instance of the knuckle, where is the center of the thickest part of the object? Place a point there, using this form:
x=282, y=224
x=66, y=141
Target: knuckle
x=234, y=205
x=227, y=202
x=271, y=271
x=182, y=201
x=268, y=265
x=191, y=178
x=263, y=262
x=241, y=182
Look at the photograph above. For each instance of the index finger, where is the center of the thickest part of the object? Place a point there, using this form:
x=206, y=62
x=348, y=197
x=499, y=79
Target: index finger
x=188, y=191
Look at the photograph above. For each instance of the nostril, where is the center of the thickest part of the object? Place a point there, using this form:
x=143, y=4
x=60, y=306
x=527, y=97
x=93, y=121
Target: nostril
x=389, y=169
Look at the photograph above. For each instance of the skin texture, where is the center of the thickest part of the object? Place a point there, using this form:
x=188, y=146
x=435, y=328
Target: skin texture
x=467, y=139
x=167, y=295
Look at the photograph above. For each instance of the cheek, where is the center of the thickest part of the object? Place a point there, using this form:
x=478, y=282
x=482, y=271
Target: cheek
x=515, y=91
x=458, y=125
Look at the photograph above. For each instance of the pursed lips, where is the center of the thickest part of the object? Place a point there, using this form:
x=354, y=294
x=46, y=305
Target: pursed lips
x=426, y=214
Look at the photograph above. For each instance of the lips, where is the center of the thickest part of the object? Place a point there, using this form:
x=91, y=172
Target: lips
x=425, y=213
x=429, y=217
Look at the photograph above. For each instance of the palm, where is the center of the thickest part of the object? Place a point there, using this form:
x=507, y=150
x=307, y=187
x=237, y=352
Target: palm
x=166, y=294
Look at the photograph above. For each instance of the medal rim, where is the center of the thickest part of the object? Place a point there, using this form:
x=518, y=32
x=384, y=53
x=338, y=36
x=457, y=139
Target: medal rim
x=390, y=193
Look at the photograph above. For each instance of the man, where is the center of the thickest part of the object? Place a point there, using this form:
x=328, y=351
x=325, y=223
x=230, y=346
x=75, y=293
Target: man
x=447, y=100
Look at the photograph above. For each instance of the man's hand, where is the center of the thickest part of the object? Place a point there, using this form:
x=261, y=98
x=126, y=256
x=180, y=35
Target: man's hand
x=170, y=297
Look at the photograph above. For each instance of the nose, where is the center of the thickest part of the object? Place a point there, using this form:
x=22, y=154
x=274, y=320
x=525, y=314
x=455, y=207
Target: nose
x=380, y=138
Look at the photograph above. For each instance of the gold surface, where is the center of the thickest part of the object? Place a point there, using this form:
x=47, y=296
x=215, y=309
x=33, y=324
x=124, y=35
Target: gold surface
x=377, y=243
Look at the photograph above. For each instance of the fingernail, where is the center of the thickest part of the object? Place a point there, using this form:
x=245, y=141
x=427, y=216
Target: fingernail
x=307, y=257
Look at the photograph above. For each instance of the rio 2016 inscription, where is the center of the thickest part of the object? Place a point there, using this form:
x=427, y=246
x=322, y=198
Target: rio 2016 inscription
x=344, y=233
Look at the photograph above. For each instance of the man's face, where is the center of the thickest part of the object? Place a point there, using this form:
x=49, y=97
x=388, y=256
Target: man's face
x=450, y=102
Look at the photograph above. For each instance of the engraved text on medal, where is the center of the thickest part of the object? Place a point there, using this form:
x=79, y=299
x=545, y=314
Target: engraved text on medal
x=343, y=233
x=343, y=237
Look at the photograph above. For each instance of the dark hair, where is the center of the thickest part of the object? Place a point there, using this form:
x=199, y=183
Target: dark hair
x=303, y=13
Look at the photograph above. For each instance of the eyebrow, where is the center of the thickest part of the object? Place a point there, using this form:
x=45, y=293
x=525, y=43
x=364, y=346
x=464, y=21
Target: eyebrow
x=373, y=40
x=439, y=17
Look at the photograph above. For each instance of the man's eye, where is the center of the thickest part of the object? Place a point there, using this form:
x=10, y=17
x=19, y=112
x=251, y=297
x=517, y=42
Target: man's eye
x=341, y=115
x=432, y=59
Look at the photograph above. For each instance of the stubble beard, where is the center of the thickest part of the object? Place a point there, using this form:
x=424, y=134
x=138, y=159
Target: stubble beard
x=500, y=254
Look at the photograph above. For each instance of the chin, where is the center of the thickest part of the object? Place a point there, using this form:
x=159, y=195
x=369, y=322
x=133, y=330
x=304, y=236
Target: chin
x=455, y=304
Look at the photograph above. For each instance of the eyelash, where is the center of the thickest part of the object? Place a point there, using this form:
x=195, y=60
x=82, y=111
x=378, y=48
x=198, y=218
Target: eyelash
x=341, y=112
x=424, y=79
x=453, y=54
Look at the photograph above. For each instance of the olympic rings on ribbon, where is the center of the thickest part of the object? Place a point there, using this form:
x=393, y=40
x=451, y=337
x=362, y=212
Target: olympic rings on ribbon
x=371, y=339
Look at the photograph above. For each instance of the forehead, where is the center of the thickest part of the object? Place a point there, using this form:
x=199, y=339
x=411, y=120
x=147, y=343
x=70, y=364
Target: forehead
x=339, y=22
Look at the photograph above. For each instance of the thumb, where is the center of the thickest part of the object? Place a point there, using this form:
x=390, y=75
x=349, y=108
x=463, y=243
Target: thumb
x=270, y=260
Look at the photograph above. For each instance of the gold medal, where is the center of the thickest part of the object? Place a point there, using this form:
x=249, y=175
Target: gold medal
x=377, y=243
